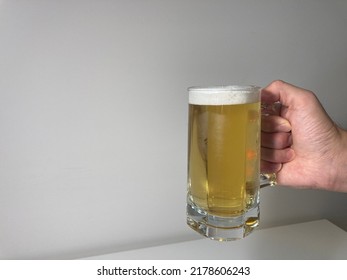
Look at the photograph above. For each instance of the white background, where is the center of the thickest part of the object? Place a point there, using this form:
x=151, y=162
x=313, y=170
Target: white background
x=93, y=112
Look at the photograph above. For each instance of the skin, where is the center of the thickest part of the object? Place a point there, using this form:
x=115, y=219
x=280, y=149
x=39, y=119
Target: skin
x=300, y=142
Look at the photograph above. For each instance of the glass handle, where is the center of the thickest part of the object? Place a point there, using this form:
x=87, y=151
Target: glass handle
x=268, y=180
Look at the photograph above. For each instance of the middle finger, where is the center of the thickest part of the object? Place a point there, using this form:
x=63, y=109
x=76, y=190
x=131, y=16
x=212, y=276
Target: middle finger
x=279, y=140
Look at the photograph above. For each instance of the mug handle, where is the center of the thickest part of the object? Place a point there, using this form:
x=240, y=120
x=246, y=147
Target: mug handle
x=268, y=180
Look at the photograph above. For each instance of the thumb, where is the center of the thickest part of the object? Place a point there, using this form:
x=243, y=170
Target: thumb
x=286, y=94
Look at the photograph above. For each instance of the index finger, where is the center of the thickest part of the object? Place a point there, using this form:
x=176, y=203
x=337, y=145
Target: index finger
x=285, y=94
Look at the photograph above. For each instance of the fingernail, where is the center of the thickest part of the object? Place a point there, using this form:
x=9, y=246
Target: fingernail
x=290, y=154
x=285, y=126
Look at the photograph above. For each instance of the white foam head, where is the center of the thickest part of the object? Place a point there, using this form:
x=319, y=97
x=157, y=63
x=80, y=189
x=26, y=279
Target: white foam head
x=224, y=95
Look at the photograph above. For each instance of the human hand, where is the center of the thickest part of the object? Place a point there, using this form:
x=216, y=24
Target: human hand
x=300, y=142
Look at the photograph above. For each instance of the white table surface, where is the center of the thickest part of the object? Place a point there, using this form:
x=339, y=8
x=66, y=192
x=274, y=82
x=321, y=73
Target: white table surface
x=312, y=240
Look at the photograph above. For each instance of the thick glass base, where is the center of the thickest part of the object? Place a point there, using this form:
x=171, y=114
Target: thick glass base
x=222, y=228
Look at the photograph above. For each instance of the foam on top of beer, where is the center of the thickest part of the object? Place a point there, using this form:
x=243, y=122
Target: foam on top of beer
x=224, y=95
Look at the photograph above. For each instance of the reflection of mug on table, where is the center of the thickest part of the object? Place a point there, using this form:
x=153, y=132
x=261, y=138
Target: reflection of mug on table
x=223, y=161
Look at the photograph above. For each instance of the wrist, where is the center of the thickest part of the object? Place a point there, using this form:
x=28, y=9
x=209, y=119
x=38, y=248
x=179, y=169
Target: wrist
x=339, y=174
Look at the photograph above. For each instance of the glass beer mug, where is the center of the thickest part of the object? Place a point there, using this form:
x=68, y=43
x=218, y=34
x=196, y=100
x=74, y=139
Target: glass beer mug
x=224, y=161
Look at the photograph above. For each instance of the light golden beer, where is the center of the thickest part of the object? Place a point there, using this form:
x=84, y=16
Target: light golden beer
x=224, y=157
x=223, y=160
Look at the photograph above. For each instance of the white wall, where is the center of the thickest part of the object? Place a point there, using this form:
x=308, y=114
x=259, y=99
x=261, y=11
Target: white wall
x=93, y=113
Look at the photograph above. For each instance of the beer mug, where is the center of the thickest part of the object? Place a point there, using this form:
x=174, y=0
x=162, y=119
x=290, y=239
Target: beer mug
x=224, y=161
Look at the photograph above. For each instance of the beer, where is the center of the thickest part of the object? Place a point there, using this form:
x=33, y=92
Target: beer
x=223, y=158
